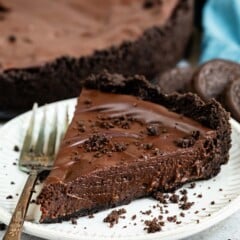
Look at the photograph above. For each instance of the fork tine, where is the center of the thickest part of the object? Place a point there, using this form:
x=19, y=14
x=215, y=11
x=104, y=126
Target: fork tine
x=66, y=121
x=27, y=143
x=41, y=136
x=53, y=137
x=63, y=129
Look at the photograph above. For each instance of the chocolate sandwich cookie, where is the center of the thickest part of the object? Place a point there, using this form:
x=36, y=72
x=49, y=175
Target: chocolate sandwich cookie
x=232, y=99
x=210, y=80
x=175, y=80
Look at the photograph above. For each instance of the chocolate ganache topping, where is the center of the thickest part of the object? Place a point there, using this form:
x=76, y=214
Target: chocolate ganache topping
x=110, y=129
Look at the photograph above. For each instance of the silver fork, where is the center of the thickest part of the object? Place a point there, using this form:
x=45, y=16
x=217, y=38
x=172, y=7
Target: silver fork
x=34, y=159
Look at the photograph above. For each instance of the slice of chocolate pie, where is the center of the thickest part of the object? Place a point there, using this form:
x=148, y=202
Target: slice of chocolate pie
x=126, y=141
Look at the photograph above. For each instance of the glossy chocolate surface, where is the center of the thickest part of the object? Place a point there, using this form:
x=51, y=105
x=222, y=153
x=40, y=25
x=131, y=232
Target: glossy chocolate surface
x=33, y=32
x=110, y=129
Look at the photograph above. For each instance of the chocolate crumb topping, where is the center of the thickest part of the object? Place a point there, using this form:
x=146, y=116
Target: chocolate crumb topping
x=153, y=129
x=104, y=124
x=147, y=146
x=95, y=143
x=119, y=147
x=185, y=142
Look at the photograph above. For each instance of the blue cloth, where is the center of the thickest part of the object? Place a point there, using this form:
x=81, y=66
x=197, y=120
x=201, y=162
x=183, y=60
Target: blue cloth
x=221, y=25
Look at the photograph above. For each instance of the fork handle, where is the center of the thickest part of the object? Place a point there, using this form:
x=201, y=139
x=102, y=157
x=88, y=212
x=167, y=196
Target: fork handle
x=14, y=229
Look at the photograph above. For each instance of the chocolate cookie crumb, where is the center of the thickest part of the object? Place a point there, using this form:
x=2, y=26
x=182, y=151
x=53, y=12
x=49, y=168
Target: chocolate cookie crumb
x=185, y=142
x=95, y=143
x=174, y=198
x=192, y=185
x=153, y=129
x=153, y=225
x=134, y=217
x=9, y=197
x=2, y=227
x=186, y=206
x=183, y=192
x=114, y=216
x=148, y=212
x=182, y=214
x=16, y=148
x=74, y=221
x=184, y=198
x=172, y=218
x=212, y=203
x=160, y=197
x=91, y=216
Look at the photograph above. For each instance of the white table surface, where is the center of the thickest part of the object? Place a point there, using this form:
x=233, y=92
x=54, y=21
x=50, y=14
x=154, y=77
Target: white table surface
x=229, y=229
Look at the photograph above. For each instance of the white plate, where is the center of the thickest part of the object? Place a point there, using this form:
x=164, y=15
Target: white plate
x=226, y=201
